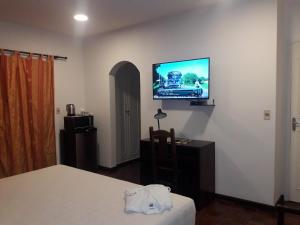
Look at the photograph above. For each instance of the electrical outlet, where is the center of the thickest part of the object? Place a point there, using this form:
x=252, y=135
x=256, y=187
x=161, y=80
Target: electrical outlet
x=267, y=114
x=57, y=110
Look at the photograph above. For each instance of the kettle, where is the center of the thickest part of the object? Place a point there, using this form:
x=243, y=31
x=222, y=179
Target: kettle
x=70, y=109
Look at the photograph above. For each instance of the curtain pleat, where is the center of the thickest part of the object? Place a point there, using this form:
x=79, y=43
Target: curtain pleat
x=27, y=132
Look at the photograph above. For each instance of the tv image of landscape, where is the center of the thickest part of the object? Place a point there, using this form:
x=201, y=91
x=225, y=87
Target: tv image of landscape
x=187, y=79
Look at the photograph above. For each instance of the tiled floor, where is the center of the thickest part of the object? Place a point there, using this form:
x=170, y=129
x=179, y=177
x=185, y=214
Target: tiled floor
x=219, y=212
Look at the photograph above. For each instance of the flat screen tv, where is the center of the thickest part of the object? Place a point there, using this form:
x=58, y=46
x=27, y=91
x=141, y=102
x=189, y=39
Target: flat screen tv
x=187, y=79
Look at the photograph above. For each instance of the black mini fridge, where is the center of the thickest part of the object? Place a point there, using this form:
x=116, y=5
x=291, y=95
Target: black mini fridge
x=78, y=143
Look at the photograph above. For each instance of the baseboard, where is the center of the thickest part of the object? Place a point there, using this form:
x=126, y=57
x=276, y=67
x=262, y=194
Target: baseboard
x=246, y=203
x=118, y=166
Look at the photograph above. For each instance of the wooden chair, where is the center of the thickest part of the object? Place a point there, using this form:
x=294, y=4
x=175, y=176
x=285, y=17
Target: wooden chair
x=164, y=158
x=282, y=206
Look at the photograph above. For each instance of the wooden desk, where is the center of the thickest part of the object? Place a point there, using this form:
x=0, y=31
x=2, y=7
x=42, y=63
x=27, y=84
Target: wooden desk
x=196, y=162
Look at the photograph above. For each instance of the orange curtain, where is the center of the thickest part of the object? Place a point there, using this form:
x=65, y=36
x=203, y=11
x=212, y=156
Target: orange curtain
x=27, y=133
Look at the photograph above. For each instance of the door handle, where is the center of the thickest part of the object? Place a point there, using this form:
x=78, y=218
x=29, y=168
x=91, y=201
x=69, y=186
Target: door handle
x=295, y=123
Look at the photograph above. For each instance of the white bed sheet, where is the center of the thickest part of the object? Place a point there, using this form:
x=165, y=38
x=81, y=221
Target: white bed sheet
x=61, y=195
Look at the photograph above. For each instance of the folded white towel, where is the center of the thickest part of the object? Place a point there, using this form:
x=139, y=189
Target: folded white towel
x=150, y=199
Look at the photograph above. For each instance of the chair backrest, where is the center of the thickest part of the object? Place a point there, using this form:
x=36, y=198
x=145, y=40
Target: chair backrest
x=163, y=147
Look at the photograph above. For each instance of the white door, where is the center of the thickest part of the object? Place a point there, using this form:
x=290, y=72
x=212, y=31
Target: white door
x=128, y=114
x=295, y=135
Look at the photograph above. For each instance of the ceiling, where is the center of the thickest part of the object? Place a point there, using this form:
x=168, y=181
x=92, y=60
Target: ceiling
x=104, y=15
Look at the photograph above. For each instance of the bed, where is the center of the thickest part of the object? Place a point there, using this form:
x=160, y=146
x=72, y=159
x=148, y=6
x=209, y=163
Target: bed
x=61, y=195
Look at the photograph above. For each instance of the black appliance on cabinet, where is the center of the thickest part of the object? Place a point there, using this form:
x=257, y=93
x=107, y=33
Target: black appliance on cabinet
x=78, y=143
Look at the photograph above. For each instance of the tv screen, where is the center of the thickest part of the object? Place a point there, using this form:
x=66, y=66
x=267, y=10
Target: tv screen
x=188, y=79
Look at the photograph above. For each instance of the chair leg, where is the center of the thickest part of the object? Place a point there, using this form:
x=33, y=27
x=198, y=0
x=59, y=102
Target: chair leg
x=280, y=217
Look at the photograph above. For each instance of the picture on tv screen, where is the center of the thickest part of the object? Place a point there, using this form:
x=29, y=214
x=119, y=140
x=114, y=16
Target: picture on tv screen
x=187, y=79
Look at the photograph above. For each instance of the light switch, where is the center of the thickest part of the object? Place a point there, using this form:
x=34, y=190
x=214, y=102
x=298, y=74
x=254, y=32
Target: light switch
x=57, y=110
x=267, y=114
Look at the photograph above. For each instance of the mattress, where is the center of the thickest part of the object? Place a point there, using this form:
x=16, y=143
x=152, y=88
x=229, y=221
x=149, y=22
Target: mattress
x=61, y=195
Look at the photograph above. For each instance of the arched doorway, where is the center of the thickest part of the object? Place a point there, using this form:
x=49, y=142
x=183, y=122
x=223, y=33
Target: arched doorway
x=127, y=111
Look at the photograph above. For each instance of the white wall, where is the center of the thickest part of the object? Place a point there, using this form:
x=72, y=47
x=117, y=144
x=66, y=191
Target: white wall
x=68, y=75
x=294, y=18
x=240, y=37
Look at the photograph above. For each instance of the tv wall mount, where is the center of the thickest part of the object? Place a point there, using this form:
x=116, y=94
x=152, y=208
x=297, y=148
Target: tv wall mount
x=202, y=103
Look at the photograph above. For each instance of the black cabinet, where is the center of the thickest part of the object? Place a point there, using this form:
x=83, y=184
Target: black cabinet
x=78, y=146
x=196, y=162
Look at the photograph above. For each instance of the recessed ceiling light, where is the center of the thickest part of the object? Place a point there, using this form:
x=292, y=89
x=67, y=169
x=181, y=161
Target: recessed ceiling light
x=80, y=17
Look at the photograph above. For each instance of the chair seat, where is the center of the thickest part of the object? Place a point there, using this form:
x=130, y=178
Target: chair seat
x=165, y=168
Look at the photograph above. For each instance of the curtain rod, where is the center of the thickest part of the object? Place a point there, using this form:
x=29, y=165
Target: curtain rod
x=56, y=57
